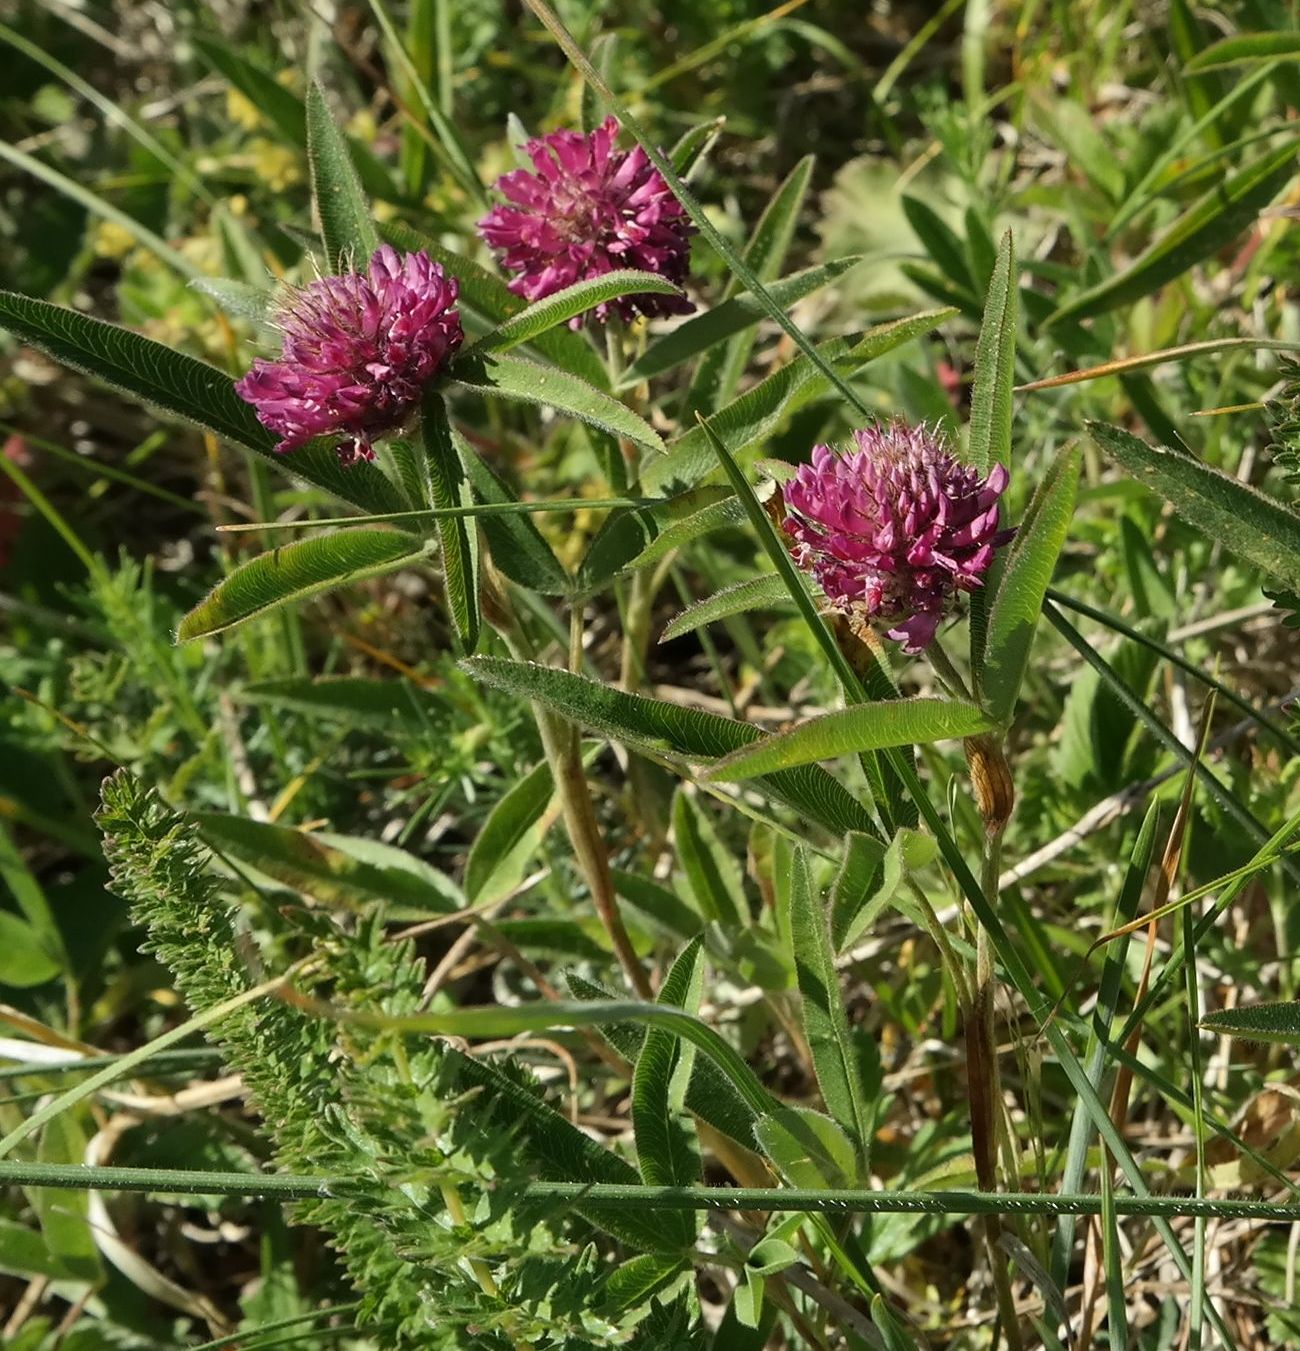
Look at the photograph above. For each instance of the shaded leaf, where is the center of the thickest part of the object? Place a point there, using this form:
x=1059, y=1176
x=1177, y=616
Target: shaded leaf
x=333, y=870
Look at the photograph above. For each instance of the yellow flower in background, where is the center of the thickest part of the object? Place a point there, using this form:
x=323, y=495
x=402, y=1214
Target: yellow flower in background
x=112, y=240
x=243, y=112
x=275, y=165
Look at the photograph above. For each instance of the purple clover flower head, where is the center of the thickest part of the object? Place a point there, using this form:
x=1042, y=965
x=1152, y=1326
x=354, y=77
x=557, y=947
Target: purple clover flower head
x=895, y=528
x=359, y=350
x=589, y=209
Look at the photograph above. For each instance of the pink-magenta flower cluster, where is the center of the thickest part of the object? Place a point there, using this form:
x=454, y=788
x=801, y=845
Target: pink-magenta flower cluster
x=589, y=209
x=359, y=350
x=896, y=528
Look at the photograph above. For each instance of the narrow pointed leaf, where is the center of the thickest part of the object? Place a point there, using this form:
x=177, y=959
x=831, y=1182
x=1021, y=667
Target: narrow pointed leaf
x=305, y=568
x=768, y=592
x=513, y=377
x=995, y=367
x=1013, y=615
x=449, y=487
x=187, y=388
x=664, y=1149
x=723, y=364
x=1244, y=520
x=1244, y=49
x=850, y=731
x=517, y=547
x=825, y=1022
x=1279, y=1023
x=711, y=873
x=668, y=729
x=731, y=316
x=1225, y=211
x=333, y=870
x=575, y=300
x=346, y=227
x=509, y=837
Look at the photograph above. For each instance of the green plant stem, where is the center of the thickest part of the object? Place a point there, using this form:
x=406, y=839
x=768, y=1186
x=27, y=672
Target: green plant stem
x=984, y=1088
x=632, y=1196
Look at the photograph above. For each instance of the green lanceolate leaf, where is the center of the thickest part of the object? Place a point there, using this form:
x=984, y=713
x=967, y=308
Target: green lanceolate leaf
x=629, y=537
x=665, y=1151
x=995, y=367
x=1278, y=1022
x=559, y=308
x=509, y=838
x=809, y=1149
x=825, y=1022
x=1244, y=49
x=712, y=874
x=305, y=568
x=758, y=412
x=1244, y=520
x=517, y=547
x=548, y=1142
x=710, y=1095
x=346, y=227
x=854, y=883
x=850, y=731
x=280, y=106
x=512, y=377
x=187, y=388
x=668, y=729
x=722, y=364
x=449, y=487
x=717, y=515
x=758, y=593
x=1013, y=615
x=1213, y=222
x=333, y=870
x=732, y=316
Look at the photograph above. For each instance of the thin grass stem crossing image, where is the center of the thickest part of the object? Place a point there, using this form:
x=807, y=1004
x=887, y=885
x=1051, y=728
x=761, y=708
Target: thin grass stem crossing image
x=650, y=675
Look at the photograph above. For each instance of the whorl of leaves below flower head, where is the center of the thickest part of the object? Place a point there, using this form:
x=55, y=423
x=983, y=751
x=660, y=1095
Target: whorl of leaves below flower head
x=358, y=351
x=895, y=528
x=589, y=209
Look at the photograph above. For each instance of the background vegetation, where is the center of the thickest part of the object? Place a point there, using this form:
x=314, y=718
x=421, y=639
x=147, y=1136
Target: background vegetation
x=331, y=785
